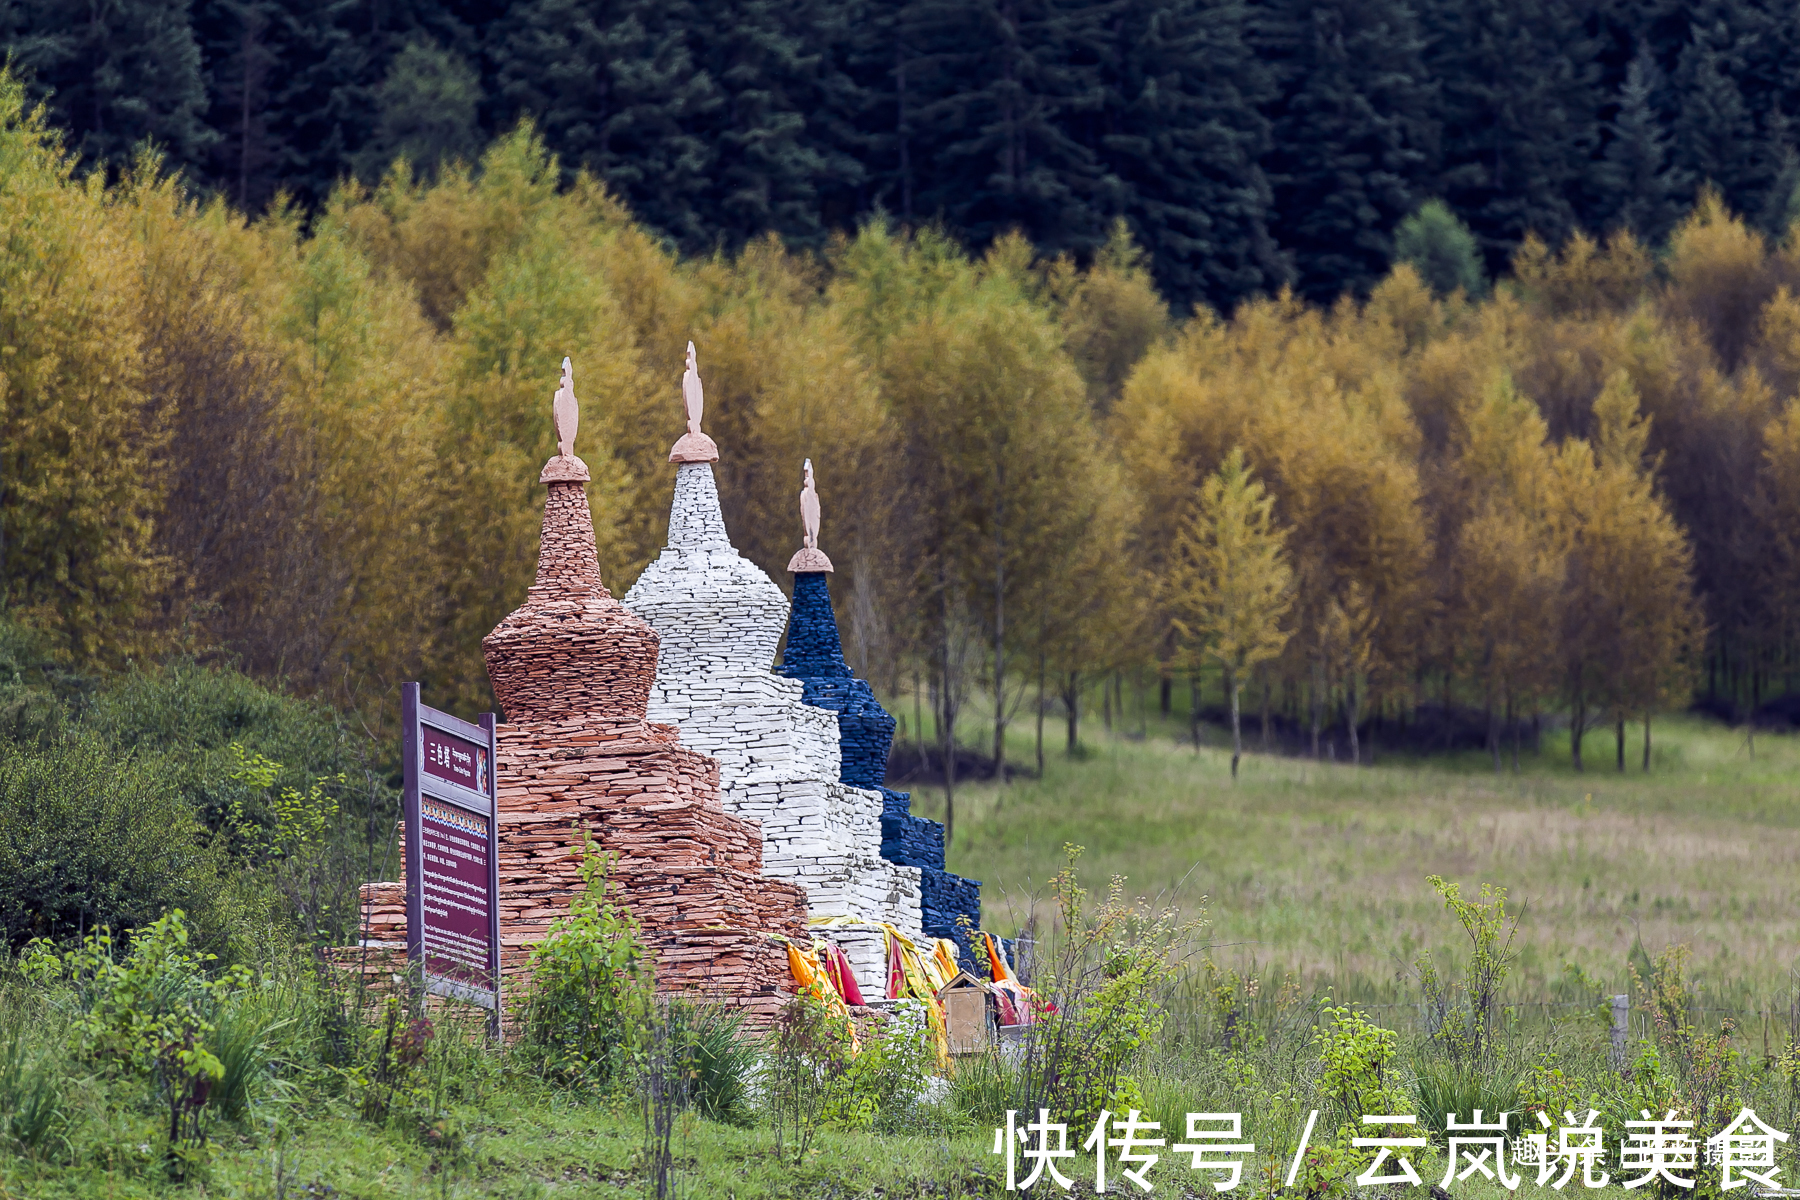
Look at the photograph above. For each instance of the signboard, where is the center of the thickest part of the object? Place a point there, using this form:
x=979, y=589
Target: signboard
x=452, y=845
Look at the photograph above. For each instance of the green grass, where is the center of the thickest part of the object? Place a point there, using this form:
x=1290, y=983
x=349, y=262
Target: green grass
x=1319, y=869
x=515, y=1146
x=1303, y=869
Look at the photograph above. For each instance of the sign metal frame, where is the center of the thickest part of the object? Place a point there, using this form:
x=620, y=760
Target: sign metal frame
x=482, y=800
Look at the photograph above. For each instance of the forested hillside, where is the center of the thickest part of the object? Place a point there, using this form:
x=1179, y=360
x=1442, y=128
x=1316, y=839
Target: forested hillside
x=312, y=444
x=1246, y=144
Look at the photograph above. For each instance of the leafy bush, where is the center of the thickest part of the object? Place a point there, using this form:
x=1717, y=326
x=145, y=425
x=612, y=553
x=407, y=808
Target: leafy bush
x=193, y=716
x=590, y=986
x=94, y=838
x=151, y=1016
x=810, y=1053
x=1462, y=1017
x=1360, y=1062
x=887, y=1079
x=1105, y=985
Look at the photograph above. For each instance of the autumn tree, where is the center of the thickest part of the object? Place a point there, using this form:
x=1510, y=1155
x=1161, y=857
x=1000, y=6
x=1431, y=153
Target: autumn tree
x=1630, y=619
x=82, y=475
x=1230, y=586
x=1507, y=561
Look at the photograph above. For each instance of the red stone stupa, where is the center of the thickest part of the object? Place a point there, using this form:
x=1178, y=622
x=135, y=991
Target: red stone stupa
x=572, y=670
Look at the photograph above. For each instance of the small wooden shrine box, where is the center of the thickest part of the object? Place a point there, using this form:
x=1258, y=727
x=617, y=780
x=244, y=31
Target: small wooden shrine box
x=965, y=1001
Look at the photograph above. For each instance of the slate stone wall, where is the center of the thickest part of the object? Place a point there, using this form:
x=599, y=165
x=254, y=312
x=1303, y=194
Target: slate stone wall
x=815, y=656
x=720, y=618
x=573, y=670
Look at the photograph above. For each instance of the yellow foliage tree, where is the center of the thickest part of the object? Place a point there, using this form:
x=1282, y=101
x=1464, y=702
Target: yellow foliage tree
x=1230, y=584
x=81, y=443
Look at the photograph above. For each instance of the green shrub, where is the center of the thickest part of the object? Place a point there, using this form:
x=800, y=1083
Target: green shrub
x=204, y=721
x=1360, y=1077
x=717, y=1057
x=152, y=1016
x=92, y=837
x=888, y=1077
x=809, y=1055
x=590, y=987
x=1106, y=983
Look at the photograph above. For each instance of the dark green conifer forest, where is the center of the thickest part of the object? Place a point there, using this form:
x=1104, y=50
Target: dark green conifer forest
x=1248, y=143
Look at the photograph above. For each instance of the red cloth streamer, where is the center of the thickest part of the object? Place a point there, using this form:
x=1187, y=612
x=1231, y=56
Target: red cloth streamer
x=844, y=977
x=896, y=970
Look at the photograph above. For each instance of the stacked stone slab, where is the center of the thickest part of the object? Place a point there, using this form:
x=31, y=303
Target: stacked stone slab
x=572, y=670
x=720, y=618
x=815, y=657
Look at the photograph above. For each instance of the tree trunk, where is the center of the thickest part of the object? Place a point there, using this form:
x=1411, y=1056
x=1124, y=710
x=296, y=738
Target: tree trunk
x=1194, y=708
x=1072, y=707
x=1619, y=742
x=947, y=721
x=1646, y=739
x=1493, y=734
x=919, y=720
x=1449, y=725
x=1106, y=705
x=1353, y=711
x=1040, y=718
x=1166, y=694
x=1000, y=619
x=1265, y=711
x=1512, y=719
x=1577, y=726
x=1237, y=735
x=1318, y=706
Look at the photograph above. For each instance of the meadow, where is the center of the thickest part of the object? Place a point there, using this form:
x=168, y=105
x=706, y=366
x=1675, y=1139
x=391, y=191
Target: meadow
x=1303, y=991
x=1318, y=869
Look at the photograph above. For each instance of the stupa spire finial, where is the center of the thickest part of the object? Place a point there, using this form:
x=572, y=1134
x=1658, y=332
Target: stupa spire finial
x=809, y=557
x=565, y=416
x=693, y=446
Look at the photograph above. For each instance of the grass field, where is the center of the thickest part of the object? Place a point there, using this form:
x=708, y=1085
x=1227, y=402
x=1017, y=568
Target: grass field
x=1309, y=870
x=1320, y=869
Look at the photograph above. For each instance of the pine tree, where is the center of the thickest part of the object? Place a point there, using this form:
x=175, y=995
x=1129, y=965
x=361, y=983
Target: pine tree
x=1715, y=139
x=1354, y=138
x=1441, y=249
x=294, y=86
x=429, y=112
x=1181, y=136
x=994, y=89
x=616, y=88
x=117, y=74
x=1230, y=583
x=767, y=60
x=1520, y=112
x=1781, y=200
x=1645, y=191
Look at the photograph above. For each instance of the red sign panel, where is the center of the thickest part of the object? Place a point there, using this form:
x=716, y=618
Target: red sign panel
x=452, y=880
x=455, y=760
x=455, y=901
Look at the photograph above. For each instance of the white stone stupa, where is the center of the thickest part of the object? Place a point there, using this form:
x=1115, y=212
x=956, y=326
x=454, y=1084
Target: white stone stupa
x=720, y=618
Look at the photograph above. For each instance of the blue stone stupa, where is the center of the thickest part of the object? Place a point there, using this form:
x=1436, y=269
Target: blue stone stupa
x=814, y=656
